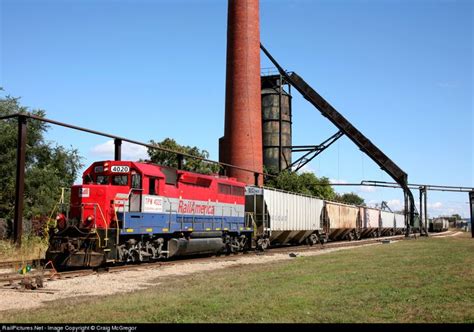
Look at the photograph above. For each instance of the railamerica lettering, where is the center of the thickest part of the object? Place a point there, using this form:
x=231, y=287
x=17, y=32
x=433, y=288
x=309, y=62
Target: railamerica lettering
x=191, y=207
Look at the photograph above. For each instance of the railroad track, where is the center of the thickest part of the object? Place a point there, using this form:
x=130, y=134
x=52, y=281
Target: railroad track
x=8, y=279
x=19, y=263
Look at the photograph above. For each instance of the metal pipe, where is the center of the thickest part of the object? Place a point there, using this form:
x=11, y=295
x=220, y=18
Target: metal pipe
x=11, y=116
x=180, y=161
x=427, y=186
x=118, y=149
x=123, y=139
x=20, y=179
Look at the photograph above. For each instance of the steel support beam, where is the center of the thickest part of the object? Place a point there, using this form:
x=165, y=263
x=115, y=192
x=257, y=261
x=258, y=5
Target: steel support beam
x=180, y=161
x=421, y=204
x=256, y=177
x=407, y=215
x=20, y=179
x=362, y=142
x=315, y=150
x=471, y=205
x=425, y=207
x=118, y=149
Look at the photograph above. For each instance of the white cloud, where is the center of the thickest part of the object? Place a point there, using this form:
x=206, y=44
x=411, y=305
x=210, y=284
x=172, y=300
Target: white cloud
x=367, y=189
x=435, y=206
x=130, y=151
x=395, y=204
x=306, y=169
x=447, y=84
x=337, y=181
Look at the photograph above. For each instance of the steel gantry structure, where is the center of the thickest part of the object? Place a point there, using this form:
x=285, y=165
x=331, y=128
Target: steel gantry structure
x=23, y=119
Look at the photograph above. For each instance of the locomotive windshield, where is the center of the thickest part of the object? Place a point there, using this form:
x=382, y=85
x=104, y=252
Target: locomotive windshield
x=102, y=179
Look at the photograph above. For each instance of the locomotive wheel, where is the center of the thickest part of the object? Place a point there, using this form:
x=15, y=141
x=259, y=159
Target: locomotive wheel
x=263, y=244
x=312, y=240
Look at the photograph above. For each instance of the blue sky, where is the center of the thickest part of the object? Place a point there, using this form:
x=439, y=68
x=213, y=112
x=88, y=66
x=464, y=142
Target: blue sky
x=400, y=71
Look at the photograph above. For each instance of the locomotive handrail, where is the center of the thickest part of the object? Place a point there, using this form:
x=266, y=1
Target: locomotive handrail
x=117, y=224
x=95, y=222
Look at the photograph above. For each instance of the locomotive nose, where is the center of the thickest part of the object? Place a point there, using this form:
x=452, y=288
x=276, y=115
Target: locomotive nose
x=88, y=205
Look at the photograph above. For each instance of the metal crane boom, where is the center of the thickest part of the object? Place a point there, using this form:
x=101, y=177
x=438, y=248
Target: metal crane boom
x=362, y=142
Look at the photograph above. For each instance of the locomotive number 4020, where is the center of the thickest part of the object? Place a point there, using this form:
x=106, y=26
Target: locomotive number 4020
x=120, y=169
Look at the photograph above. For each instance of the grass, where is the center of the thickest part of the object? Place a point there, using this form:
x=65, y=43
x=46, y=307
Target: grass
x=32, y=247
x=413, y=281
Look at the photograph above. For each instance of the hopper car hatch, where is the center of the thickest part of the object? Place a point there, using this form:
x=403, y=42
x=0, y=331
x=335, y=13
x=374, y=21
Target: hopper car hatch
x=362, y=142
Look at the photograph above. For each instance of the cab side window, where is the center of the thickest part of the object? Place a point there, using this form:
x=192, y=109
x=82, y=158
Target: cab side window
x=152, y=186
x=136, y=181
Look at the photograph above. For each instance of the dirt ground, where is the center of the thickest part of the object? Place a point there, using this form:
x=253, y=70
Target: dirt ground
x=140, y=278
x=453, y=234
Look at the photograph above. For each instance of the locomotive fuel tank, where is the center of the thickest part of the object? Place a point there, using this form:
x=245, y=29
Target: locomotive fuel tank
x=184, y=247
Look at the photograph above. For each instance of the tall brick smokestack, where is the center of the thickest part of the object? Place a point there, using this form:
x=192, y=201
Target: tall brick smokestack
x=242, y=142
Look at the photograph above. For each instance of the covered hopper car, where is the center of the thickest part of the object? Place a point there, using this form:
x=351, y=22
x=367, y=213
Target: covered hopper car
x=439, y=225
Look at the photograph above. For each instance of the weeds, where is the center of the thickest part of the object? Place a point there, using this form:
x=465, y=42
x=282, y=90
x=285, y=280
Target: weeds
x=32, y=247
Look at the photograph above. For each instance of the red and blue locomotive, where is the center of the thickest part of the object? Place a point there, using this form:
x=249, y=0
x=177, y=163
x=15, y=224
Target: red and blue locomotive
x=131, y=212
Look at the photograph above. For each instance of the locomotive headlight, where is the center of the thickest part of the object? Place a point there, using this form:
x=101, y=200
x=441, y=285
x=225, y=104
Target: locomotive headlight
x=90, y=218
x=60, y=221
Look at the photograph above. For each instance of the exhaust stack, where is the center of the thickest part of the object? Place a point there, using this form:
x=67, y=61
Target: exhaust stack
x=242, y=142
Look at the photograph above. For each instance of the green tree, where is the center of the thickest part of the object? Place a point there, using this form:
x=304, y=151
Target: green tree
x=304, y=183
x=170, y=159
x=48, y=167
x=456, y=216
x=350, y=198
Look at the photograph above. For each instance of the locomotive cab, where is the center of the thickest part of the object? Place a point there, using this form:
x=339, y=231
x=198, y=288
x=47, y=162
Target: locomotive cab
x=93, y=204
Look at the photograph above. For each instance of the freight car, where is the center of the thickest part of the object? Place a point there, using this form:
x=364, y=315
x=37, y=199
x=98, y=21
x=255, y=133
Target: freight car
x=439, y=225
x=133, y=212
x=287, y=218
x=342, y=221
x=284, y=218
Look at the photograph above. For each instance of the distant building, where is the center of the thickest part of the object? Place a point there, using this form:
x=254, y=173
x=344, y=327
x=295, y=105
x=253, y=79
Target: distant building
x=464, y=224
